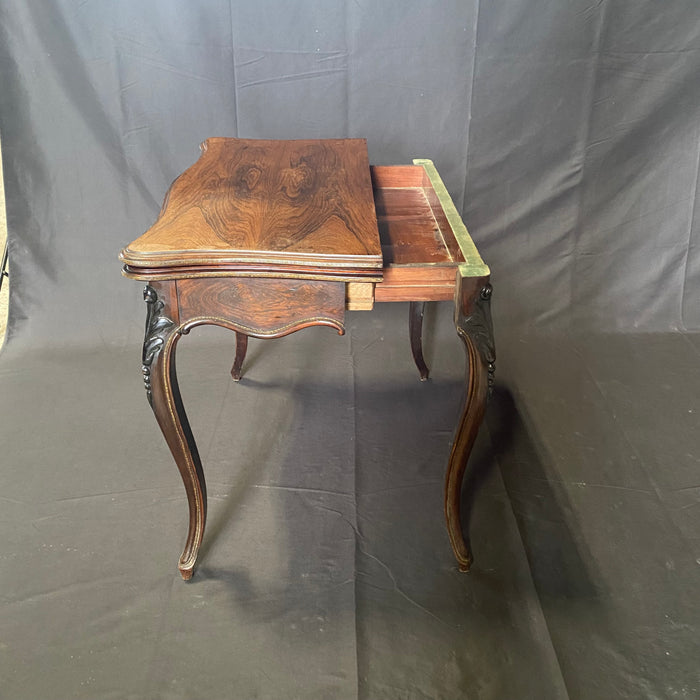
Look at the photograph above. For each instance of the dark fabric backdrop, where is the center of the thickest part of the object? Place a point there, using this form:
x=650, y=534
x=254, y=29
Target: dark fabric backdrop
x=566, y=131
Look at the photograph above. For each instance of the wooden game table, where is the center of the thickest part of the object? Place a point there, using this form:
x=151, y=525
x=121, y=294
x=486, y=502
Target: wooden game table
x=268, y=237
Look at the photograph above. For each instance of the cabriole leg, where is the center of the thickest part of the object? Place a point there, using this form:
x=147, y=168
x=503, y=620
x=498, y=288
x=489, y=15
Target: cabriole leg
x=160, y=379
x=241, y=349
x=415, y=329
x=473, y=322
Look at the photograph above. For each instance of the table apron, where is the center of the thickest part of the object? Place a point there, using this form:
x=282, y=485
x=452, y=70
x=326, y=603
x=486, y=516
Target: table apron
x=260, y=307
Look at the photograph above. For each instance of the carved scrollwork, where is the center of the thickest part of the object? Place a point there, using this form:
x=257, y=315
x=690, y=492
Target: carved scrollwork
x=158, y=327
x=477, y=325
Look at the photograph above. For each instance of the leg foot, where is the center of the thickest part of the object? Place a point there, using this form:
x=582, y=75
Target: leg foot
x=160, y=378
x=415, y=327
x=473, y=321
x=186, y=573
x=241, y=349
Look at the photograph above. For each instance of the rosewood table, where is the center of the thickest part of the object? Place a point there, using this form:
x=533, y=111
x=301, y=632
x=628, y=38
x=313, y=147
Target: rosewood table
x=268, y=237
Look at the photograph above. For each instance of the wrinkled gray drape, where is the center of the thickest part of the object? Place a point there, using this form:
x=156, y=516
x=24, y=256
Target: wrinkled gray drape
x=568, y=133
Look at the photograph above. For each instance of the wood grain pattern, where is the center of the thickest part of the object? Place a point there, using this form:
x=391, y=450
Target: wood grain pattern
x=266, y=238
x=359, y=296
x=416, y=283
x=398, y=176
x=261, y=307
x=408, y=230
x=273, y=203
x=425, y=292
x=266, y=308
x=412, y=223
x=421, y=253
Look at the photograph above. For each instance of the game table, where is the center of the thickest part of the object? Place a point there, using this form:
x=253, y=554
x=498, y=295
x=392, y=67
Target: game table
x=269, y=237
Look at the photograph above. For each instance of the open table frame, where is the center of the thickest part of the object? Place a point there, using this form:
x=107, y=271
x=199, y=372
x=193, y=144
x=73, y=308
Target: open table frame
x=426, y=255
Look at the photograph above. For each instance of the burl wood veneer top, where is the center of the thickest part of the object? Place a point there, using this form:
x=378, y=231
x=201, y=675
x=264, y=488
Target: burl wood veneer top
x=259, y=206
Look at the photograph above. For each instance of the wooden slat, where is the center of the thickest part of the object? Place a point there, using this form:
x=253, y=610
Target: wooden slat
x=397, y=176
x=408, y=230
x=420, y=252
x=359, y=296
x=434, y=292
x=418, y=275
x=416, y=283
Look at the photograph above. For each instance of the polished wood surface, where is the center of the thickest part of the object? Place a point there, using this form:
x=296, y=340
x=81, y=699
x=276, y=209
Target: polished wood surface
x=416, y=283
x=413, y=228
x=408, y=230
x=267, y=238
x=160, y=374
x=261, y=307
x=421, y=253
x=473, y=322
x=267, y=206
x=241, y=350
x=416, y=310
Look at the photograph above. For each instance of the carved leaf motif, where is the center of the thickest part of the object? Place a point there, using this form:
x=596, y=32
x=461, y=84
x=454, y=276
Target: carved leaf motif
x=158, y=327
x=479, y=328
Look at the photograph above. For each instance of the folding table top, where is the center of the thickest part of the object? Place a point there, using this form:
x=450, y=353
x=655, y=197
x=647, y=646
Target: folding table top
x=277, y=207
x=310, y=209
